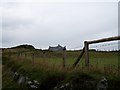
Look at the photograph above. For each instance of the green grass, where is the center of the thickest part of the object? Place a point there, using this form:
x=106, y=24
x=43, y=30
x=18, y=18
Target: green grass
x=47, y=67
x=7, y=81
x=100, y=58
x=97, y=59
x=104, y=59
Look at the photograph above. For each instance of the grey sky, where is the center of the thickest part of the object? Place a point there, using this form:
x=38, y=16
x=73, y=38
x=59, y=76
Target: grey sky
x=69, y=24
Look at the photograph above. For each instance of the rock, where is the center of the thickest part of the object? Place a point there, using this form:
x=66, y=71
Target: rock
x=36, y=82
x=102, y=84
x=55, y=88
x=67, y=84
x=29, y=83
x=21, y=80
x=62, y=86
x=24, y=80
x=33, y=86
x=16, y=76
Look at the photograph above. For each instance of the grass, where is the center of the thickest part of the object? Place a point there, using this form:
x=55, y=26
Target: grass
x=0, y=76
x=7, y=81
x=47, y=68
x=104, y=59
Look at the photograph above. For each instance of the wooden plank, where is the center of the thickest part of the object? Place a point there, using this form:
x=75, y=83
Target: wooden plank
x=80, y=56
x=104, y=40
x=86, y=54
x=86, y=48
x=64, y=58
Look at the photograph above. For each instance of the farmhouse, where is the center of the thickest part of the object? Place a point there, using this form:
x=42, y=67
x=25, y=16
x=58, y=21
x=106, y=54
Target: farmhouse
x=57, y=48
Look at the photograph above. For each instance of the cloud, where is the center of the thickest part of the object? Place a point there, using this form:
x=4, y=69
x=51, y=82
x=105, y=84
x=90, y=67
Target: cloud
x=44, y=24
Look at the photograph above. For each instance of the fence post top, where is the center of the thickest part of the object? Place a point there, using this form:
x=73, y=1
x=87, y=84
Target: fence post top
x=85, y=41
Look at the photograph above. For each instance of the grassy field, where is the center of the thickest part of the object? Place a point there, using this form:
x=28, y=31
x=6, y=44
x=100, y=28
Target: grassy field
x=99, y=59
x=46, y=67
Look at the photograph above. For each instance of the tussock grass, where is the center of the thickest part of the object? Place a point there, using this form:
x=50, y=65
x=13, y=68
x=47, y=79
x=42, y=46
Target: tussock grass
x=46, y=67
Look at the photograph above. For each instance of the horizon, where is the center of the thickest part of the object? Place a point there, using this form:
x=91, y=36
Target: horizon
x=90, y=48
x=52, y=23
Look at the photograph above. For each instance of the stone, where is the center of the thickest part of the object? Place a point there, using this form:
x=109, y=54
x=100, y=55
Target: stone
x=67, y=84
x=55, y=88
x=16, y=76
x=21, y=80
x=102, y=84
x=36, y=82
x=62, y=86
x=29, y=82
x=33, y=86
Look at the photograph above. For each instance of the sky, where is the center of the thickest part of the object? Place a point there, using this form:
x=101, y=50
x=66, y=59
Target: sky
x=68, y=23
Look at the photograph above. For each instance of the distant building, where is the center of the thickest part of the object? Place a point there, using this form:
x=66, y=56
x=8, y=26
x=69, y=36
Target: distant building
x=57, y=48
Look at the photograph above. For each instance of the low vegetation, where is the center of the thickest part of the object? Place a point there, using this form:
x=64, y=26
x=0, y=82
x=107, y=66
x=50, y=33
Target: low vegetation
x=46, y=67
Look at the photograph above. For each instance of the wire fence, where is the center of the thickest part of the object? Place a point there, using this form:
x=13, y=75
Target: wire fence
x=106, y=46
x=105, y=60
x=110, y=44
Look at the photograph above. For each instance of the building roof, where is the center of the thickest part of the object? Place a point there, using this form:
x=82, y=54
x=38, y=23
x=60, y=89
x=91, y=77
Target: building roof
x=57, y=48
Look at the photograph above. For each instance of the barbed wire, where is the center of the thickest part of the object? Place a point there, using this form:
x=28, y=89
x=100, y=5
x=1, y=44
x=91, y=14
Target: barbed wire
x=106, y=46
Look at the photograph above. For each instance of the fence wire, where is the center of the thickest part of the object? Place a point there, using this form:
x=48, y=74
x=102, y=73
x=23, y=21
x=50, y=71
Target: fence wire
x=106, y=46
x=106, y=55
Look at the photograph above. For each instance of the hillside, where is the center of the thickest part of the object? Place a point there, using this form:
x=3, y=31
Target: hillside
x=23, y=46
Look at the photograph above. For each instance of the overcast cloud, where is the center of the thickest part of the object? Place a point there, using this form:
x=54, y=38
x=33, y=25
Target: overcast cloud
x=68, y=24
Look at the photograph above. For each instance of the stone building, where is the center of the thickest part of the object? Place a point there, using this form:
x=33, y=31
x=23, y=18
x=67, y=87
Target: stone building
x=57, y=48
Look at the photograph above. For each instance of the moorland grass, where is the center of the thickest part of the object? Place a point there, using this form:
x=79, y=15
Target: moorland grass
x=46, y=67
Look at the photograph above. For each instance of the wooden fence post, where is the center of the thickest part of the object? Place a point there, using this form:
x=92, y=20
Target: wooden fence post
x=64, y=57
x=80, y=56
x=86, y=53
x=86, y=48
